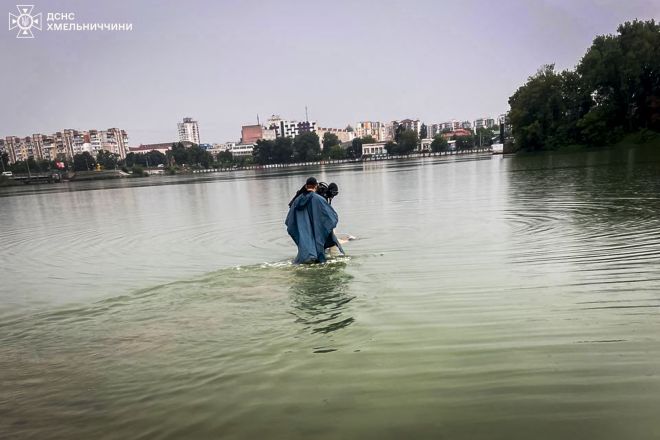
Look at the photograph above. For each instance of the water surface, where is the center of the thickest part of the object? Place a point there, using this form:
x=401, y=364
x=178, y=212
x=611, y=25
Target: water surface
x=485, y=297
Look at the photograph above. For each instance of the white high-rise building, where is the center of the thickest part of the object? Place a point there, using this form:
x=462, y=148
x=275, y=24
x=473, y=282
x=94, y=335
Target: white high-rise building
x=189, y=131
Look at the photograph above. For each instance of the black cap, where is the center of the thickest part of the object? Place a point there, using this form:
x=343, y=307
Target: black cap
x=311, y=181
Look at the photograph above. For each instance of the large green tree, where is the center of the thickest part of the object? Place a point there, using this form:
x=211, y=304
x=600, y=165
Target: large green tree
x=130, y=159
x=536, y=110
x=83, y=161
x=149, y=159
x=392, y=147
x=263, y=152
x=614, y=90
x=330, y=140
x=44, y=165
x=194, y=155
x=337, y=152
x=355, y=150
x=623, y=73
x=368, y=139
x=483, y=136
x=439, y=143
x=5, y=160
x=279, y=150
x=154, y=158
x=225, y=158
x=32, y=163
x=107, y=159
x=18, y=167
x=283, y=150
x=178, y=154
x=464, y=142
x=407, y=142
x=199, y=156
x=306, y=147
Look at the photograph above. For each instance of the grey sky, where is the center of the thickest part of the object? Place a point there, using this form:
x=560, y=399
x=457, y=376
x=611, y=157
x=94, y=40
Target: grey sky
x=224, y=62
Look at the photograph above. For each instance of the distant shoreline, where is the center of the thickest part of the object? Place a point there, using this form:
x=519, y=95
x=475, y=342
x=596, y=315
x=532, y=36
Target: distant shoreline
x=340, y=161
x=83, y=176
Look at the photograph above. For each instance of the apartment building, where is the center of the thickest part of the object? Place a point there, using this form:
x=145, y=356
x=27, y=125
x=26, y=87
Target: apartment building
x=188, y=131
x=67, y=143
x=342, y=134
x=375, y=129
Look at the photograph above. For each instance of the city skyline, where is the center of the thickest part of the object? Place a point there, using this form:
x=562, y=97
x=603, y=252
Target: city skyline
x=347, y=63
x=188, y=129
x=69, y=142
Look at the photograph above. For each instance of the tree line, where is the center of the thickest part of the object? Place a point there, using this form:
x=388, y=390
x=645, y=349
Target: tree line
x=303, y=148
x=406, y=141
x=306, y=147
x=179, y=155
x=614, y=90
x=79, y=162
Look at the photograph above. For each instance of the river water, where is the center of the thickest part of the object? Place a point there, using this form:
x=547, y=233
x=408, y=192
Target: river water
x=484, y=297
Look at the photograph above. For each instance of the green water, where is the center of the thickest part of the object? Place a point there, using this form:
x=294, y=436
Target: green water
x=485, y=297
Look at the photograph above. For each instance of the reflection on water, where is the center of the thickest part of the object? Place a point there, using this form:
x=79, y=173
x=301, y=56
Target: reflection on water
x=321, y=297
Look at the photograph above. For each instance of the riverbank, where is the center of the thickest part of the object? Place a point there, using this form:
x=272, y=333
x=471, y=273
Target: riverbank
x=642, y=138
x=377, y=158
x=82, y=176
x=97, y=175
x=7, y=181
x=645, y=138
x=79, y=176
x=639, y=139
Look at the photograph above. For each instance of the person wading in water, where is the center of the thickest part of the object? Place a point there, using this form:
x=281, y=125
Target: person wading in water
x=311, y=221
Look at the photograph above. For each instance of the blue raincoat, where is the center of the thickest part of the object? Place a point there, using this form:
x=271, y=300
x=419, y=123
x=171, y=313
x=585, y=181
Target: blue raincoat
x=310, y=222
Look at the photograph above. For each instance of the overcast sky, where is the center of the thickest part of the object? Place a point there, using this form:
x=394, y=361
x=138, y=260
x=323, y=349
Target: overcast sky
x=224, y=62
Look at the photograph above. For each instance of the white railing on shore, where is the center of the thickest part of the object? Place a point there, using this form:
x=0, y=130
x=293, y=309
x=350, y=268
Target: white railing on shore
x=340, y=161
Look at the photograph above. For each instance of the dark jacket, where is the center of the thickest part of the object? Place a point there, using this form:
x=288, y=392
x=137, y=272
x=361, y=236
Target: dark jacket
x=310, y=222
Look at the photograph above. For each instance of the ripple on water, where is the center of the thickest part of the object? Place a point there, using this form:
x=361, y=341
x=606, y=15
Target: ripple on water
x=604, y=233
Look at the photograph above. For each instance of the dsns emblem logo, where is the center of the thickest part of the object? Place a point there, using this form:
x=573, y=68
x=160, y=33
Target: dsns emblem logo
x=24, y=21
